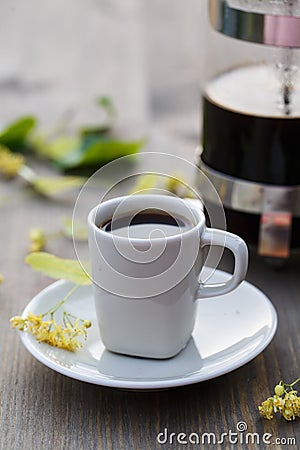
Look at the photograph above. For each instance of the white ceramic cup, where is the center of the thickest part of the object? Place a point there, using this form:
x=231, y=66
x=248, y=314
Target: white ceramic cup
x=146, y=285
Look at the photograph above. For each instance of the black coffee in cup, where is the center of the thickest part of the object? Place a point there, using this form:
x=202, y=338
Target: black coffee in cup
x=147, y=223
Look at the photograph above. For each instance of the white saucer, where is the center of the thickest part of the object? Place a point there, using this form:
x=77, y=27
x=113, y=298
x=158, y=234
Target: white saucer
x=230, y=331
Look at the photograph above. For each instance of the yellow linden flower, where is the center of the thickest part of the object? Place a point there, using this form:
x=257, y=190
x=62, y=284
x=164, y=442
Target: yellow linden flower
x=18, y=322
x=87, y=323
x=288, y=414
x=295, y=404
x=279, y=389
x=48, y=331
x=292, y=406
x=285, y=401
x=10, y=163
x=67, y=336
x=38, y=240
x=267, y=408
x=278, y=403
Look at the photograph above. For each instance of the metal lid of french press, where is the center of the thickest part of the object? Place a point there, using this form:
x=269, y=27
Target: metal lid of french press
x=269, y=22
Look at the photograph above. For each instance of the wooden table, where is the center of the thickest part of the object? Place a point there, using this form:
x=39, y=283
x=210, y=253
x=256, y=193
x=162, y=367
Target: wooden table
x=42, y=409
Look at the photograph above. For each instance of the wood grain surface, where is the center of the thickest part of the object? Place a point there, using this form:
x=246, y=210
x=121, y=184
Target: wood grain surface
x=59, y=56
x=41, y=409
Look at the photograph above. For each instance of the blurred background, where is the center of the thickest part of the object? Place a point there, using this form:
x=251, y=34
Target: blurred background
x=56, y=57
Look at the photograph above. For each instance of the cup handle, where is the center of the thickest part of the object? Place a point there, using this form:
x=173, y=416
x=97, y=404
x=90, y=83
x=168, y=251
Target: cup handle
x=239, y=249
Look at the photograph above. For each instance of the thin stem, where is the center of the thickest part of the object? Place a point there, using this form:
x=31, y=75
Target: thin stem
x=74, y=317
x=27, y=174
x=71, y=292
x=295, y=382
x=66, y=318
x=54, y=308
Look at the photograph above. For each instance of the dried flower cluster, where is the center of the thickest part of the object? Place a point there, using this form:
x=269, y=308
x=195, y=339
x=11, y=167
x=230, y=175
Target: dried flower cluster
x=68, y=336
x=48, y=331
x=285, y=401
x=10, y=163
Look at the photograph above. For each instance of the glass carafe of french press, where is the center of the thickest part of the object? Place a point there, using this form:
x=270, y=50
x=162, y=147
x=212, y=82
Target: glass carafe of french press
x=251, y=119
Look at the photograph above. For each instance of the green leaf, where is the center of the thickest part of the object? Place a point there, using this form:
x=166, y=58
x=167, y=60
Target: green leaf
x=99, y=152
x=95, y=131
x=103, y=129
x=107, y=104
x=58, y=268
x=73, y=229
x=15, y=134
x=56, y=149
x=54, y=185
